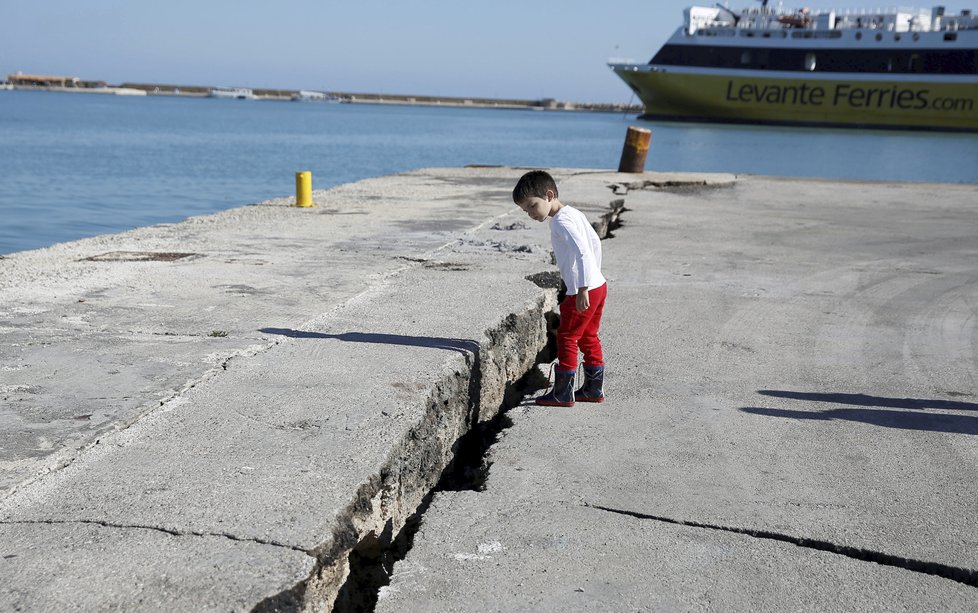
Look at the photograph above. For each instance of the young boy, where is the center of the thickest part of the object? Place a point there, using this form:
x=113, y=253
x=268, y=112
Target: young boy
x=578, y=251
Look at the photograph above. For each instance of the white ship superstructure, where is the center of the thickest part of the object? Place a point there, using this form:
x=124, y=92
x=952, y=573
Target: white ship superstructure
x=903, y=68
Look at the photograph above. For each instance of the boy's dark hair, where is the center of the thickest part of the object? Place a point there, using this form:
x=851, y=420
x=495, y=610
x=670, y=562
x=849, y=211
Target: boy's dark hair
x=534, y=183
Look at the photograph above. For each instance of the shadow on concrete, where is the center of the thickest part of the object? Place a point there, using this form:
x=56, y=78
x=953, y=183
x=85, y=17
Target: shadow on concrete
x=463, y=346
x=903, y=420
x=862, y=400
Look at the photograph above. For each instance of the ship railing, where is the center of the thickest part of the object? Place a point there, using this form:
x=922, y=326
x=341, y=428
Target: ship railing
x=900, y=19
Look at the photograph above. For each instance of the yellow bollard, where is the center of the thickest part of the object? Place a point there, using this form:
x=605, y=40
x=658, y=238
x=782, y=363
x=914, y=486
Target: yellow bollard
x=637, y=142
x=303, y=188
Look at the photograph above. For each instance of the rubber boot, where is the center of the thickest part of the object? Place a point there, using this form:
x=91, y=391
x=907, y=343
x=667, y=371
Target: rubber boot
x=593, y=388
x=562, y=395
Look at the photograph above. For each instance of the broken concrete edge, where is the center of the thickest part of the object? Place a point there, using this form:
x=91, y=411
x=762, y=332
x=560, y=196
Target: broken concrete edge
x=621, y=183
x=459, y=401
x=666, y=181
x=609, y=221
x=382, y=507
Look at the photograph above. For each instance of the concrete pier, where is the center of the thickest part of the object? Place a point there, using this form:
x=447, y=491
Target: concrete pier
x=212, y=415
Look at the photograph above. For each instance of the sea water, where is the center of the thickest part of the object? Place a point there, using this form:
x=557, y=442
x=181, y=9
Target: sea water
x=77, y=165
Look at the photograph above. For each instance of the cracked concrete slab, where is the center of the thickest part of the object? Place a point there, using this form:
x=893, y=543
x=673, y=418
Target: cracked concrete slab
x=298, y=427
x=483, y=552
x=299, y=383
x=87, y=567
x=790, y=357
x=259, y=266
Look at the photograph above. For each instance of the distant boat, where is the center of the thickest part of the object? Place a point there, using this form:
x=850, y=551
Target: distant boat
x=876, y=69
x=239, y=93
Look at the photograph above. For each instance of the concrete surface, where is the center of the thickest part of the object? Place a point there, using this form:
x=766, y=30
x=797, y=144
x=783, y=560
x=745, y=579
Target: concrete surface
x=791, y=420
x=212, y=414
x=790, y=424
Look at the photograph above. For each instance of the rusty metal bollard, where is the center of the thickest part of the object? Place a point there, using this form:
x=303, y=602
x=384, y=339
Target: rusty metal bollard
x=637, y=142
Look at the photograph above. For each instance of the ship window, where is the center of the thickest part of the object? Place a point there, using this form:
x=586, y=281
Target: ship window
x=916, y=36
x=859, y=35
x=879, y=36
x=871, y=60
x=950, y=36
x=896, y=37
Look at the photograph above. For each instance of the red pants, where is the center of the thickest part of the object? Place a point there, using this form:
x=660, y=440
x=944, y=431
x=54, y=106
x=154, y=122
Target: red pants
x=580, y=330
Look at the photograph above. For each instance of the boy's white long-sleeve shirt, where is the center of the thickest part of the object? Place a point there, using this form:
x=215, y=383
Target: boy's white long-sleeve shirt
x=577, y=249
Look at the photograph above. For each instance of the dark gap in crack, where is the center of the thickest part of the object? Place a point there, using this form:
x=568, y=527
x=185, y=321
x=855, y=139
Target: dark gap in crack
x=372, y=562
x=684, y=187
x=611, y=220
x=966, y=576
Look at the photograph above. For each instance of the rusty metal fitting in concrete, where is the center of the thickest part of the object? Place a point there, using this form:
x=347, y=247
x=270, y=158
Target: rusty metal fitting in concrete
x=637, y=141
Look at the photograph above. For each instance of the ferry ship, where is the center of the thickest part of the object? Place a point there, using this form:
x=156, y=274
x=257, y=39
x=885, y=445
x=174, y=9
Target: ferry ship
x=900, y=69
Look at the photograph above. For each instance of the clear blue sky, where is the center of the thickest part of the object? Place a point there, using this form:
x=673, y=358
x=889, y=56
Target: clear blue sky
x=496, y=48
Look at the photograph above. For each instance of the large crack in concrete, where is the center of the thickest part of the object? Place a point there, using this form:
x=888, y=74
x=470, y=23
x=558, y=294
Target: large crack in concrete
x=446, y=451
x=370, y=563
x=966, y=576
x=387, y=502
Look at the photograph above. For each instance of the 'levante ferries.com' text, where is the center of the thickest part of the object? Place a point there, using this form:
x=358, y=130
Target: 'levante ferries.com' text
x=844, y=94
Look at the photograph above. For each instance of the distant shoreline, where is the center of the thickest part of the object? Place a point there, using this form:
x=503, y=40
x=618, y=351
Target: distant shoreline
x=198, y=91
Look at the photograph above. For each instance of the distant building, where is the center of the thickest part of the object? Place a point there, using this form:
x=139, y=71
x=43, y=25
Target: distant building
x=309, y=96
x=38, y=80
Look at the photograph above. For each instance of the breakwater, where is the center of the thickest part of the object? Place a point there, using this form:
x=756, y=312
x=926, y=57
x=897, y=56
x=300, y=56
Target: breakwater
x=202, y=91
